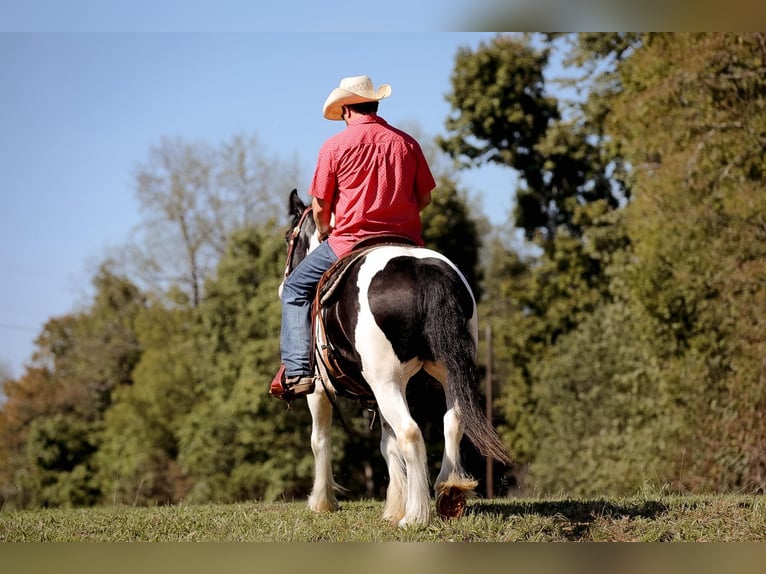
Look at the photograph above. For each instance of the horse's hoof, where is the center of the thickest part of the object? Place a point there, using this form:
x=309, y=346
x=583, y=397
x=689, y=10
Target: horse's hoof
x=320, y=507
x=451, y=503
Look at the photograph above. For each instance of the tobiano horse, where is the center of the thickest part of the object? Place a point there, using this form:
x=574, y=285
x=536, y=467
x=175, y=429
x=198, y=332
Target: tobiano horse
x=397, y=310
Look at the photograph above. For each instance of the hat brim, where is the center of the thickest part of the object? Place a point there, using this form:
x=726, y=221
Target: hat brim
x=333, y=105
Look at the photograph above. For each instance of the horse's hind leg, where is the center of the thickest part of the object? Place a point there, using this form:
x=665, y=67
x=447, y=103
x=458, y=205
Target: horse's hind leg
x=452, y=485
x=396, y=494
x=409, y=440
x=322, y=498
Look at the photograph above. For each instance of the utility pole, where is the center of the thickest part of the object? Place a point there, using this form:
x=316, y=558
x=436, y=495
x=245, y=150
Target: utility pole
x=488, y=407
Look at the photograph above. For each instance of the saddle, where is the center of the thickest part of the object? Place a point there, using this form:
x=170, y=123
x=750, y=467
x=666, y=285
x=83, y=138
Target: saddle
x=327, y=294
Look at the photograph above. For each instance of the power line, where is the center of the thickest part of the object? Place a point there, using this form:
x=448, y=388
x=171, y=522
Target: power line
x=38, y=271
x=17, y=327
x=23, y=311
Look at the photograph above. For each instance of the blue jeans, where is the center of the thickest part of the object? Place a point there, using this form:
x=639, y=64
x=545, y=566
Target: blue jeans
x=297, y=296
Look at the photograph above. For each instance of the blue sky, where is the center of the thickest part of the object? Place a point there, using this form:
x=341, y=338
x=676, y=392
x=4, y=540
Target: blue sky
x=229, y=15
x=393, y=15
x=88, y=86
x=81, y=110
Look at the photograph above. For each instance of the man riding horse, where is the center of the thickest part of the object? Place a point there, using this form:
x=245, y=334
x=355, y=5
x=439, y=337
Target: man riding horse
x=370, y=180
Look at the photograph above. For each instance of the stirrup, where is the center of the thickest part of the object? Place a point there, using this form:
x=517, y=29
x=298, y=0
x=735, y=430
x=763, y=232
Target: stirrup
x=289, y=389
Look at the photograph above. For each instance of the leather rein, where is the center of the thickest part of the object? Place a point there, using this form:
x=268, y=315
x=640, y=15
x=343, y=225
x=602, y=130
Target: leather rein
x=293, y=236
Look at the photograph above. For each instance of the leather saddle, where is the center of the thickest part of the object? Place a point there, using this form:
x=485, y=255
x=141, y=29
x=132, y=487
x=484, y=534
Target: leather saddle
x=346, y=383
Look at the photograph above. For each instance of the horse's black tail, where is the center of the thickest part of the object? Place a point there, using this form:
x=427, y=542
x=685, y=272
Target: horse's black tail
x=447, y=306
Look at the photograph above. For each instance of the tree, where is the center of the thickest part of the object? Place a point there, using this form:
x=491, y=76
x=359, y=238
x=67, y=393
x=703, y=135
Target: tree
x=137, y=459
x=691, y=117
x=502, y=114
x=194, y=197
x=668, y=363
x=34, y=395
x=604, y=422
x=236, y=443
x=51, y=423
x=571, y=189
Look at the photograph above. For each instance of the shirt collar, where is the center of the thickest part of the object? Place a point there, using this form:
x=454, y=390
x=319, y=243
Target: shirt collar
x=366, y=119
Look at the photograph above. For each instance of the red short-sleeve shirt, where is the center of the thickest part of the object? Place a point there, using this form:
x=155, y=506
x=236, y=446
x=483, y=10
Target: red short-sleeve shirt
x=373, y=176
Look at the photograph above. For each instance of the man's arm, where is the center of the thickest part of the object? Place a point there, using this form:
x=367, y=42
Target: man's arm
x=322, y=211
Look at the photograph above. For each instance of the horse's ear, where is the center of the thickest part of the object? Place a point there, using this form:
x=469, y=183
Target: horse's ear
x=295, y=204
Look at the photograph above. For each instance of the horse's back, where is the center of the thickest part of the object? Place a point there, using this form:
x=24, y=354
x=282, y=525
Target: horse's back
x=407, y=291
x=390, y=263
x=378, y=257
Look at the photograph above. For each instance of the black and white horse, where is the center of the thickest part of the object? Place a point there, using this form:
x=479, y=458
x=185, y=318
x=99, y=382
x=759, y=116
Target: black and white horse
x=400, y=309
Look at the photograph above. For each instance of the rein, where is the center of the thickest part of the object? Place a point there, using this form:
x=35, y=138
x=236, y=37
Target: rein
x=293, y=236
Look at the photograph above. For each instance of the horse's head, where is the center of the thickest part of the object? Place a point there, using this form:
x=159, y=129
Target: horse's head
x=302, y=236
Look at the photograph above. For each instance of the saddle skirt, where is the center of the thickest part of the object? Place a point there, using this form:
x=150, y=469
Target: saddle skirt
x=327, y=295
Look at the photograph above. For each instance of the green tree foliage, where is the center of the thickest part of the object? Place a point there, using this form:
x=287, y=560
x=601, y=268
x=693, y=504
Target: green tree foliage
x=647, y=368
x=51, y=423
x=603, y=420
x=536, y=308
x=137, y=458
x=506, y=274
x=57, y=467
x=692, y=118
x=500, y=110
x=237, y=442
x=502, y=114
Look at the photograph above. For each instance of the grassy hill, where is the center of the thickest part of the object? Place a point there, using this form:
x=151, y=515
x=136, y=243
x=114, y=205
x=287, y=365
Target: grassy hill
x=286, y=538
x=646, y=519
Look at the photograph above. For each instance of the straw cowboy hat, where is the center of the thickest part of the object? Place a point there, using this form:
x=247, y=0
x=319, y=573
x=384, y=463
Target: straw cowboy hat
x=353, y=90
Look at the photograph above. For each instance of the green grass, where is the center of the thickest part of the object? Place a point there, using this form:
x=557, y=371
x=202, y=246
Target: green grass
x=641, y=518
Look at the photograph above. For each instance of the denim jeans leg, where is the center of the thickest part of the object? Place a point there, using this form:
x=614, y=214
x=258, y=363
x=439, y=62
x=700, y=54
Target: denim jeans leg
x=297, y=295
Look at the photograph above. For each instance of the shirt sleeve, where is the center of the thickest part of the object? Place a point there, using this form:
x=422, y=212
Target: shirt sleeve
x=424, y=179
x=324, y=183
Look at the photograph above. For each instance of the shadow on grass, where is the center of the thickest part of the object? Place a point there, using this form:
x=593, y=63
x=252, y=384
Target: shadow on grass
x=579, y=514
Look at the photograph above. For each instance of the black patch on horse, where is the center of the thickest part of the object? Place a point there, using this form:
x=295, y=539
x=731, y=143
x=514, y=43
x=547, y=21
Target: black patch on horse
x=405, y=292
